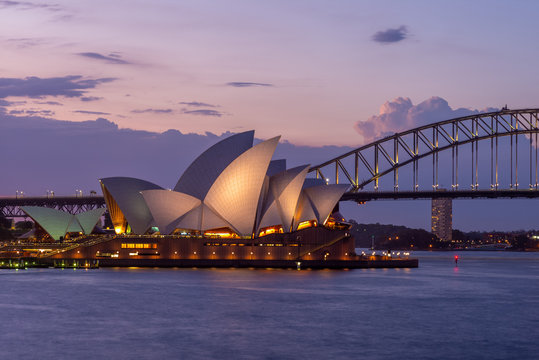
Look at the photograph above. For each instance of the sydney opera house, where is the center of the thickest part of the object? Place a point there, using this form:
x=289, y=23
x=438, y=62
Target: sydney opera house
x=233, y=189
x=233, y=203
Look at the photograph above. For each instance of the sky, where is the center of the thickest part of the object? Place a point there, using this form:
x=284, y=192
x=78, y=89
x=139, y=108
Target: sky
x=326, y=75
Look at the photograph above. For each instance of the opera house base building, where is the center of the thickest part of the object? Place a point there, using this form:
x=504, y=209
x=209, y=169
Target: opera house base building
x=232, y=207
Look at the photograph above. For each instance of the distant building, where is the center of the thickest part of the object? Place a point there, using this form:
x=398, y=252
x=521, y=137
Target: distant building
x=442, y=218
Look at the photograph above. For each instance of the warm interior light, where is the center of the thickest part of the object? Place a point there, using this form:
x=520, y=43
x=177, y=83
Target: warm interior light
x=221, y=233
x=307, y=224
x=270, y=230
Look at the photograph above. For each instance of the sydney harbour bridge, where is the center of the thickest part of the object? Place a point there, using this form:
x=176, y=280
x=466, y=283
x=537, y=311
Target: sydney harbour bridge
x=488, y=155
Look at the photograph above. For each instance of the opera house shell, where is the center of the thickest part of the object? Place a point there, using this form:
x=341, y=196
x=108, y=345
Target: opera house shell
x=233, y=189
x=233, y=207
x=57, y=223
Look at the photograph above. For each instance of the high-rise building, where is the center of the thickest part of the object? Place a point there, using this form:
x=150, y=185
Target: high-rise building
x=442, y=218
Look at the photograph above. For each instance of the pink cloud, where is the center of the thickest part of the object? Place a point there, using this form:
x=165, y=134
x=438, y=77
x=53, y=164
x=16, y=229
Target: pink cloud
x=401, y=114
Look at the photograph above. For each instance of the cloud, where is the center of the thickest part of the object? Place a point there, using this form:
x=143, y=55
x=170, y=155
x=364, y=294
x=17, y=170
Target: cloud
x=91, y=112
x=391, y=35
x=90, y=98
x=11, y=103
x=35, y=87
x=32, y=112
x=27, y=5
x=22, y=43
x=203, y=112
x=157, y=157
x=400, y=114
x=111, y=59
x=246, y=84
x=197, y=104
x=153, y=111
x=56, y=103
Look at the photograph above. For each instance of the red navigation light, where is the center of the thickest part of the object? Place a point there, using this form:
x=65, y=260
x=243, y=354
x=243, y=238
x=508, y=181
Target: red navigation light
x=456, y=257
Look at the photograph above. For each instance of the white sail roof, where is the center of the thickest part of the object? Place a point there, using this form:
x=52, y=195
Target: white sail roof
x=271, y=217
x=191, y=220
x=235, y=193
x=74, y=225
x=54, y=222
x=89, y=219
x=232, y=184
x=202, y=173
x=304, y=210
x=126, y=193
x=167, y=207
x=323, y=199
x=282, y=198
x=202, y=218
x=287, y=201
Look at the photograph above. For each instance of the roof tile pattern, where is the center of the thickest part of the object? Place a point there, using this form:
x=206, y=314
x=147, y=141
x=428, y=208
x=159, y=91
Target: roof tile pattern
x=235, y=193
x=202, y=173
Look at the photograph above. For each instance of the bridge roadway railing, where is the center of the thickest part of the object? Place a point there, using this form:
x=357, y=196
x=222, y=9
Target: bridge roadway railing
x=363, y=196
x=10, y=206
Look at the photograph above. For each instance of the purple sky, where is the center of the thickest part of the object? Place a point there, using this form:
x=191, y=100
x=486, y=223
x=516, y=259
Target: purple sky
x=316, y=72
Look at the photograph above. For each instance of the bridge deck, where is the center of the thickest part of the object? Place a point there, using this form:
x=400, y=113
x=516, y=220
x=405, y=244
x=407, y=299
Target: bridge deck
x=361, y=196
x=9, y=206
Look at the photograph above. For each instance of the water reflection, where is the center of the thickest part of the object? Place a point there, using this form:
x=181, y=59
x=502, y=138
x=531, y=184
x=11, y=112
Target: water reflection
x=437, y=310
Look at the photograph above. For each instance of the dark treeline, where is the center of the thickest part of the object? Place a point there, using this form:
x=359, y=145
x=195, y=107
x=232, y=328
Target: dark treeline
x=393, y=237
x=401, y=237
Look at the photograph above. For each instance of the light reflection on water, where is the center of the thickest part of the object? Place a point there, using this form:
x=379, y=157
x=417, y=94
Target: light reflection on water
x=487, y=307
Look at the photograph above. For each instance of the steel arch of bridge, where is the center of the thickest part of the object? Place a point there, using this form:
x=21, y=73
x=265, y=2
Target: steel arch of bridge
x=408, y=147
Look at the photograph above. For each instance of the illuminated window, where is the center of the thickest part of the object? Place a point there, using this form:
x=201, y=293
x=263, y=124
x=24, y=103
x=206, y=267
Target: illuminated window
x=306, y=224
x=270, y=230
x=221, y=233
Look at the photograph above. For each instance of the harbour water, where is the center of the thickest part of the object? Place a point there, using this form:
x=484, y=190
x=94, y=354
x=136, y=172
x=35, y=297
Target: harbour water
x=486, y=308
